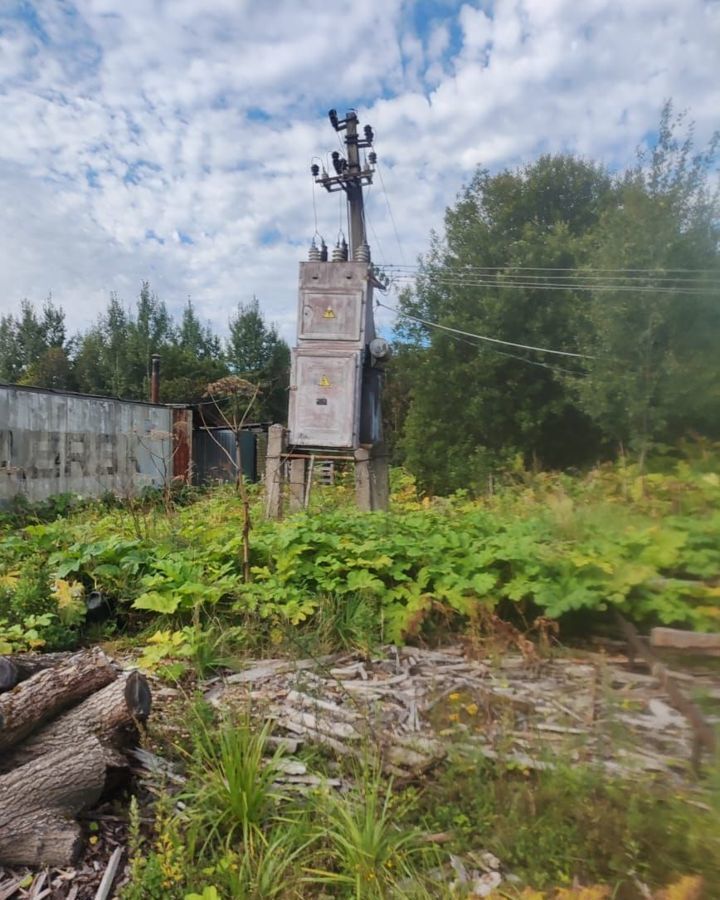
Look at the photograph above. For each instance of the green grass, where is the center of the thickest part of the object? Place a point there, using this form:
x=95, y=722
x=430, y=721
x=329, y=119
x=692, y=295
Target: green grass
x=369, y=855
x=573, y=822
x=239, y=834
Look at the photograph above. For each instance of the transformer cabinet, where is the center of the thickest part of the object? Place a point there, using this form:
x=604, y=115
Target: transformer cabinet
x=335, y=331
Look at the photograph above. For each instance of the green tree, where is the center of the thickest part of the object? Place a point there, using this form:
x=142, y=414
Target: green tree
x=257, y=353
x=150, y=331
x=33, y=347
x=194, y=360
x=52, y=369
x=101, y=363
x=474, y=405
x=655, y=341
x=114, y=355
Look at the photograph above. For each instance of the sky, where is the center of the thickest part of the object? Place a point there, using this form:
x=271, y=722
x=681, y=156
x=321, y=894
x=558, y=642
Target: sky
x=171, y=140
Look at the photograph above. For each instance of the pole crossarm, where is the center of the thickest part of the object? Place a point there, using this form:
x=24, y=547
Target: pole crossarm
x=339, y=182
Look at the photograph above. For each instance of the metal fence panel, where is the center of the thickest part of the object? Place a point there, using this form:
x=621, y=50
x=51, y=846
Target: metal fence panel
x=214, y=455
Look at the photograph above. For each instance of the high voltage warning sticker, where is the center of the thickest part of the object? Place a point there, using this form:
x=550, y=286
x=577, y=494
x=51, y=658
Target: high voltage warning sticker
x=328, y=314
x=325, y=381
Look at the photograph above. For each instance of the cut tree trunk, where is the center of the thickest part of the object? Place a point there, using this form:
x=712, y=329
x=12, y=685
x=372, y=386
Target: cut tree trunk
x=110, y=715
x=8, y=674
x=19, y=666
x=38, y=803
x=44, y=695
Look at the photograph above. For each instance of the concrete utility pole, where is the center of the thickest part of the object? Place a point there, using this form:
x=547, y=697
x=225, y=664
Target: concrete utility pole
x=336, y=370
x=350, y=175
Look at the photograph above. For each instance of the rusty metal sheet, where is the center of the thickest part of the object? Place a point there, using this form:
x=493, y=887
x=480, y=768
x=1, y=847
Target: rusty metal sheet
x=182, y=444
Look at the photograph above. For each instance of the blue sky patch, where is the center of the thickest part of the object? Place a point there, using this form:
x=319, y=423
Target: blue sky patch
x=26, y=14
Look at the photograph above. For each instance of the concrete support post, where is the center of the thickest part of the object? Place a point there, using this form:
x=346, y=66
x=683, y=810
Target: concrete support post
x=363, y=480
x=276, y=449
x=380, y=477
x=297, y=484
x=372, y=485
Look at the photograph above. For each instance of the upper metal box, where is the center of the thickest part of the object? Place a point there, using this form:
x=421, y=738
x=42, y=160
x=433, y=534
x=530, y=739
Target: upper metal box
x=335, y=303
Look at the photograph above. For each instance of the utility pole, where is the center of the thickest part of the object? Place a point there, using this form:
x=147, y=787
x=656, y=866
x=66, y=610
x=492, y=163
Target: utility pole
x=336, y=371
x=351, y=175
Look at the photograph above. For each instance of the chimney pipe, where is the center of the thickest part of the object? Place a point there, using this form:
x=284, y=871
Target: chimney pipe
x=155, y=379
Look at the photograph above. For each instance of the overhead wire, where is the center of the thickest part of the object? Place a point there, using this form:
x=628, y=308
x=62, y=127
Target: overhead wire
x=524, y=359
x=368, y=220
x=483, y=337
x=314, y=203
x=581, y=279
x=508, y=266
x=390, y=212
x=510, y=283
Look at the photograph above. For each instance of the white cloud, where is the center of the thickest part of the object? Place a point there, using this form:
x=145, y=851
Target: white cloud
x=196, y=121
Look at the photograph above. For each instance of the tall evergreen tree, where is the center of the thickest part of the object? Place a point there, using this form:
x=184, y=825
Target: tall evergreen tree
x=193, y=361
x=257, y=353
x=33, y=347
x=102, y=362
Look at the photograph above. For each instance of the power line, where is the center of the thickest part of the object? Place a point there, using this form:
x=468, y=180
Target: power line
x=673, y=284
x=509, y=266
x=390, y=212
x=483, y=337
x=585, y=277
x=368, y=221
x=489, y=281
x=524, y=359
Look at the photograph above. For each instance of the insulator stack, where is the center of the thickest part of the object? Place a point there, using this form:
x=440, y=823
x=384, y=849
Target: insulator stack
x=362, y=254
x=314, y=253
x=340, y=251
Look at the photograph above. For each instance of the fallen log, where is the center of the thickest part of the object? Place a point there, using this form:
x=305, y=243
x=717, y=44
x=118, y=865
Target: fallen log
x=20, y=666
x=8, y=674
x=110, y=715
x=675, y=639
x=38, y=802
x=44, y=695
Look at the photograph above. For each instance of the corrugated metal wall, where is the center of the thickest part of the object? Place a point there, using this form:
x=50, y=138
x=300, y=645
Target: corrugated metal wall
x=55, y=442
x=214, y=454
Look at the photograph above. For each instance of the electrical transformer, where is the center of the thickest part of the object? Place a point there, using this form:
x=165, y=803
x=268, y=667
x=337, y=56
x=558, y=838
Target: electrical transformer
x=330, y=363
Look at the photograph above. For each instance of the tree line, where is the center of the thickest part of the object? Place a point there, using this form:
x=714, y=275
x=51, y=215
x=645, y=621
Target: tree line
x=112, y=357
x=618, y=270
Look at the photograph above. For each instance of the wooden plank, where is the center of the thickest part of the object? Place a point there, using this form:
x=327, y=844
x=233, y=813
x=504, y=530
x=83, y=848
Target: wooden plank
x=704, y=734
x=676, y=639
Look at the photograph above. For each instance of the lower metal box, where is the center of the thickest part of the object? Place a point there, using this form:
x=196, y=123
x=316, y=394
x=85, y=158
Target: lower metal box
x=325, y=398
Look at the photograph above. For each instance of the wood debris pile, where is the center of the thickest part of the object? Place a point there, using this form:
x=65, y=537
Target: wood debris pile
x=411, y=704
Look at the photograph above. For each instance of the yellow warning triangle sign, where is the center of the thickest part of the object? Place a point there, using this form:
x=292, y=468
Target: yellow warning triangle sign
x=328, y=314
x=324, y=381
